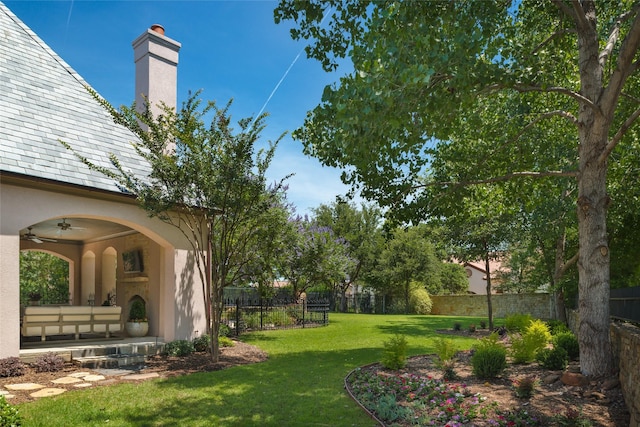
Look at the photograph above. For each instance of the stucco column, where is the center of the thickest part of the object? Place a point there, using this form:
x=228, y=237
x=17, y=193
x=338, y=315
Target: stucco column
x=9, y=295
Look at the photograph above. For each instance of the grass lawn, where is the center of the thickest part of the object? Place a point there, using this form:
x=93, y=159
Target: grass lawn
x=300, y=385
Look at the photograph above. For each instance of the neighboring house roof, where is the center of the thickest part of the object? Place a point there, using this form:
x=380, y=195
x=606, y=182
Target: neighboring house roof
x=494, y=266
x=43, y=100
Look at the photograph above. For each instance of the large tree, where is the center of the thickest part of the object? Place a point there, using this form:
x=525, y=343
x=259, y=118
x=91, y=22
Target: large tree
x=360, y=229
x=422, y=69
x=207, y=180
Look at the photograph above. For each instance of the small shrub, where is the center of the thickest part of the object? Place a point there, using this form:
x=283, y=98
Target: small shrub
x=225, y=342
x=137, y=312
x=202, y=343
x=224, y=331
x=49, y=362
x=446, y=351
x=517, y=322
x=557, y=326
x=420, y=301
x=11, y=367
x=472, y=328
x=179, y=348
x=523, y=349
x=387, y=408
x=538, y=333
x=489, y=358
x=395, y=353
x=525, y=387
x=483, y=324
x=9, y=416
x=555, y=359
x=572, y=417
x=569, y=342
x=457, y=326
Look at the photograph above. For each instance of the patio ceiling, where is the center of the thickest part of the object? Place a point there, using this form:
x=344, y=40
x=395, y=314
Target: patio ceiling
x=76, y=230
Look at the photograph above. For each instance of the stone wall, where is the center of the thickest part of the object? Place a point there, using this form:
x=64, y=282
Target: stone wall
x=540, y=306
x=625, y=342
x=625, y=345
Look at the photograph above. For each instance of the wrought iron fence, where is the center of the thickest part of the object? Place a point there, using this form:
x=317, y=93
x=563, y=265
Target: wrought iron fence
x=624, y=304
x=245, y=314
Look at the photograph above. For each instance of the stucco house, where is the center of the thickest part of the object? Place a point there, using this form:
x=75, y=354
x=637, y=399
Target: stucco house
x=49, y=201
x=477, y=276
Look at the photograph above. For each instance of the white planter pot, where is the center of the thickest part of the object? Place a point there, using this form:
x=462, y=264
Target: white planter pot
x=137, y=329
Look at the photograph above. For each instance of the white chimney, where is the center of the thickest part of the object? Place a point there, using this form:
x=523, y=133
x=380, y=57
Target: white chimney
x=156, y=59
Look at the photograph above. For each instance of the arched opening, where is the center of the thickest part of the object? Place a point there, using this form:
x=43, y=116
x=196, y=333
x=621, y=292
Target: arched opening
x=45, y=278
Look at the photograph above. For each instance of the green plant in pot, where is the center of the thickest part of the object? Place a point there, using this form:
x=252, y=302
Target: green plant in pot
x=137, y=325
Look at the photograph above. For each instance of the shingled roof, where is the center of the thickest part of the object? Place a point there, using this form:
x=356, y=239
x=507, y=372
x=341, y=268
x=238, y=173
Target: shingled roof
x=43, y=100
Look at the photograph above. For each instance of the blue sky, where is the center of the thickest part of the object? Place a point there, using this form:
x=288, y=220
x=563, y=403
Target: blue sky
x=230, y=49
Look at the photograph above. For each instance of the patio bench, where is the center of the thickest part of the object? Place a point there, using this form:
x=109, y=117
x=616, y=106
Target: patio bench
x=70, y=320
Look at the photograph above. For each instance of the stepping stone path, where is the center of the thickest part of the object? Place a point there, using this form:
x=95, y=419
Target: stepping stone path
x=77, y=379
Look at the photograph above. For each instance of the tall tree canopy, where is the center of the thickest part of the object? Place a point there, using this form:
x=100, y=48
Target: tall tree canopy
x=423, y=69
x=208, y=181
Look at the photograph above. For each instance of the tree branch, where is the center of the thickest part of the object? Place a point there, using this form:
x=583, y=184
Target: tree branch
x=625, y=64
x=618, y=136
x=561, y=90
x=614, y=34
x=507, y=177
x=579, y=15
x=549, y=39
x=565, y=266
x=565, y=9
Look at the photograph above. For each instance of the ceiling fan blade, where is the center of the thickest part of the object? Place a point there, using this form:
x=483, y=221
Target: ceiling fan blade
x=34, y=239
x=46, y=239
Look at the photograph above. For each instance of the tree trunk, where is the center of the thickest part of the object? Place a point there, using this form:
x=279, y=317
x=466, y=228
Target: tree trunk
x=561, y=311
x=593, y=261
x=594, y=122
x=489, y=304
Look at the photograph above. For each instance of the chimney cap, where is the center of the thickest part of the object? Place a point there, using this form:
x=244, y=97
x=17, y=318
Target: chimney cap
x=158, y=29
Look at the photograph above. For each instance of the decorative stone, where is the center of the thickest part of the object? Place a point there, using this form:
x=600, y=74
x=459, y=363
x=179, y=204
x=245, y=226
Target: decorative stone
x=79, y=374
x=3, y=392
x=24, y=386
x=94, y=378
x=574, y=380
x=141, y=376
x=83, y=385
x=551, y=378
x=66, y=380
x=48, y=392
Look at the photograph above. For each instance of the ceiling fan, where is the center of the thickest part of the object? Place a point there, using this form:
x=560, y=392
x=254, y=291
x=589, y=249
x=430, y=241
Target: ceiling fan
x=64, y=225
x=30, y=236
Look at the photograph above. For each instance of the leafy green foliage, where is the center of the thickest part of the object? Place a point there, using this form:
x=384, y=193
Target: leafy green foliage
x=517, y=322
x=525, y=387
x=138, y=311
x=569, y=342
x=496, y=96
x=557, y=327
x=43, y=274
x=446, y=351
x=420, y=302
x=226, y=342
x=11, y=367
x=208, y=180
x=489, y=358
x=48, y=362
x=202, y=343
x=538, y=332
x=179, y=348
x=9, y=415
x=554, y=359
x=394, y=355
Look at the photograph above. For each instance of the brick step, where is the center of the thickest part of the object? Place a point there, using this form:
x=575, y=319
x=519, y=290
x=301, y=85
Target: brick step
x=110, y=361
x=116, y=349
